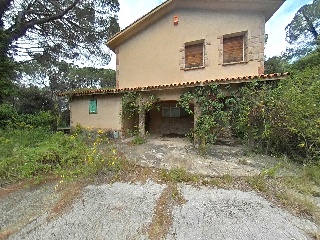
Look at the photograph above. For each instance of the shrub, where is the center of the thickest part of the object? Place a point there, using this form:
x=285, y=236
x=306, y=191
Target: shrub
x=213, y=110
x=284, y=119
x=8, y=115
x=29, y=153
x=9, y=118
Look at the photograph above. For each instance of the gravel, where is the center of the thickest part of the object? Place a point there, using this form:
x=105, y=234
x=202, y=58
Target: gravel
x=117, y=211
x=125, y=210
x=224, y=214
x=26, y=205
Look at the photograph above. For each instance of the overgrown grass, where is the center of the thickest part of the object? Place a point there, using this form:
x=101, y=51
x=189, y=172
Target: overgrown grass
x=312, y=172
x=179, y=175
x=38, y=153
x=293, y=192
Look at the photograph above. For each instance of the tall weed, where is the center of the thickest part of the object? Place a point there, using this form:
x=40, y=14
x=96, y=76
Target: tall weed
x=30, y=153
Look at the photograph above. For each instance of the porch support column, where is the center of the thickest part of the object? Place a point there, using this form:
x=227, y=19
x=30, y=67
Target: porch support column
x=142, y=122
x=197, y=113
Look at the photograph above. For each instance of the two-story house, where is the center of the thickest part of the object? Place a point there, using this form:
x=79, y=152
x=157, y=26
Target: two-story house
x=175, y=47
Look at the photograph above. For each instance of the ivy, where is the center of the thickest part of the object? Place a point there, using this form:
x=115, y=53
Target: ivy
x=134, y=103
x=214, y=111
x=129, y=105
x=252, y=112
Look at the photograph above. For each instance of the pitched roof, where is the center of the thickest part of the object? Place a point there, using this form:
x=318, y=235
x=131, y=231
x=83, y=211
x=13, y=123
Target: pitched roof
x=262, y=77
x=268, y=7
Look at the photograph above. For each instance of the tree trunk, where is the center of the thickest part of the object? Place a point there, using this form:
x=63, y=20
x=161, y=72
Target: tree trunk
x=6, y=69
x=142, y=122
x=250, y=131
x=197, y=113
x=311, y=27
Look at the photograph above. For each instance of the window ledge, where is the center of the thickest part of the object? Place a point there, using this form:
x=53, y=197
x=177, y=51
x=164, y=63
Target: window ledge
x=192, y=68
x=234, y=63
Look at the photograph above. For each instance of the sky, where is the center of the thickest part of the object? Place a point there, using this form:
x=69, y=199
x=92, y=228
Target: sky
x=131, y=10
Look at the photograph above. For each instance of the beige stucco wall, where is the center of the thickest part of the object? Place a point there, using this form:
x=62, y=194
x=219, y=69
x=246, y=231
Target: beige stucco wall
x=169, y=94
x=108, y=108
x=155, y=55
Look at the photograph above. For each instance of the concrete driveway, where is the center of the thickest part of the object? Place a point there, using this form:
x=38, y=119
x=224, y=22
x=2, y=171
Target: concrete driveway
x=154, y=209
x=129, y=211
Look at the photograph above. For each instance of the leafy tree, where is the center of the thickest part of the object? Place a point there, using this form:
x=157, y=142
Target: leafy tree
x=276, y=64
x=51, y=30
x=62, y=76
x=312, y=60
x=33, y=99
x=303, y=31
x=89, y=77
x=7, y=72
x=68, y=29
x=283, y=119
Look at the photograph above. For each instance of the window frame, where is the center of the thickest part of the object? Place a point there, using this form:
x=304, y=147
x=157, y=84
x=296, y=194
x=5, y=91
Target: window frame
x=163, y=112
x=194, y=43
x=233, y=35
x=181, y=110
x=95, y=111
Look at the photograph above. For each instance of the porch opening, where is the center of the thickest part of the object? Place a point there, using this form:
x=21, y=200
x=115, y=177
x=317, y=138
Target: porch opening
x=169, y=120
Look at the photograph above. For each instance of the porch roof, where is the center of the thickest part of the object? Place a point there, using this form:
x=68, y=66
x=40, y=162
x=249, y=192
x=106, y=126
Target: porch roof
x=244, y=79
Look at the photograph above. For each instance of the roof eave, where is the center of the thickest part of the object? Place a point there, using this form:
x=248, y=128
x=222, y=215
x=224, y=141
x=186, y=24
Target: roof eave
x=140, y=24
x=234, y=80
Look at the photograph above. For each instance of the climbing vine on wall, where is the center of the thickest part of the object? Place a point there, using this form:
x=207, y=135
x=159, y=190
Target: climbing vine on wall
x=129, y=105
x=134, y=103
x=213, y=111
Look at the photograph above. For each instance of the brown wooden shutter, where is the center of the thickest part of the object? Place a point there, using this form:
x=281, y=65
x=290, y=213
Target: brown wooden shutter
x=194, y=55
x=233, y=49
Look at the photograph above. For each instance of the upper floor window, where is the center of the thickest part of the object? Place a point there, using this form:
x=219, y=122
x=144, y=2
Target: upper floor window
x=194, y=54
x=234, y=48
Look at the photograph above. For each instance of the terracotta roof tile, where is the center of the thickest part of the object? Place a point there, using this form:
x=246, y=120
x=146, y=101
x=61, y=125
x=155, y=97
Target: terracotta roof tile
x=274, y=76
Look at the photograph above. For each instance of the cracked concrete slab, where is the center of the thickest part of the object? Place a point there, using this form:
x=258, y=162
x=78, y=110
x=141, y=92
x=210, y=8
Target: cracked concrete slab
x=171, y=153
x=117, y=211
x=232, y=214
x=26, y=205
x=126, y=210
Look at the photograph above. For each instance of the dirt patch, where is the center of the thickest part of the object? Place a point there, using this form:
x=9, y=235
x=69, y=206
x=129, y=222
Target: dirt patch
x=6, y=234
x=24, y=205
x=173, y=135
x=162, y=218
x=6, y=190
x=115, y=203
x=69, y=193
x=107, y=211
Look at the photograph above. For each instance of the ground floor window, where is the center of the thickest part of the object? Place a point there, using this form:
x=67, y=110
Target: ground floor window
x=93, y=106
x=174, y=112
